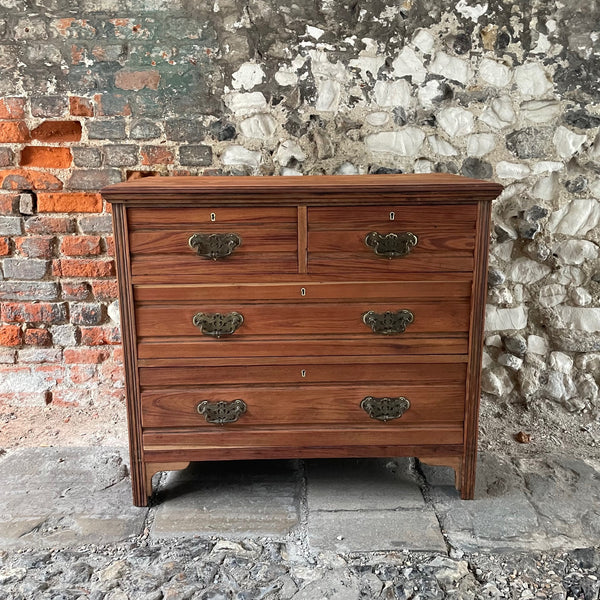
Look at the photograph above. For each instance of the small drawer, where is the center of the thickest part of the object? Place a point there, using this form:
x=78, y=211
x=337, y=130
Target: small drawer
x=191, y=244
x=294, y=405
x=378, y=240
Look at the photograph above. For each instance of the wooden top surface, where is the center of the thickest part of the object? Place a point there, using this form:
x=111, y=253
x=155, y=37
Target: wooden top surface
x=289, y=190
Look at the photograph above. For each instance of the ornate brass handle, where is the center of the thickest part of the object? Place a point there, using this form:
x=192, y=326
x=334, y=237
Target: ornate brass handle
x=385, y=409
x=391, y=244
x=388, y=322
x=221, y=412
x=214, y=245
x=218, y=324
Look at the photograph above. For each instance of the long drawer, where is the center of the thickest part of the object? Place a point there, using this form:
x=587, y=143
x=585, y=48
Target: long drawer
x=302, y=405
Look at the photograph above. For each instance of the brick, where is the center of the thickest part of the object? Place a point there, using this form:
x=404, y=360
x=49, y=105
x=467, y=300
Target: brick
x=8, y=203
x=7, y=356
x=57, y=131
x=81, y=373
x=86, y=313
x=26, y=179
x=196, y=156
x=31, y=312
x=87, y=157
x=37, y=337
x=110, y=245
x=113, y=105
x=121, y=155
x=81, y=107
x=46, y=157
x=35, y=247
x=11, y=225
x=4, y=246
x=110, y=129
x=46, y=225
x=7, y=157
x=156, y=155
x=81, y=267
x=19, y=290
x=48, y=106
x=12, y=108
x=127, y=79
x=14, y=132
x=27, y=203
x=69, y=202
x=143, y=129
x=105, y=290
x=74, y=290
x=94, y=179
x=70, y=398
x=85, y=356
x=100, y=336
x=81, y=245
x=184, y=130
x=40, y=355
x=10, y=335
x=96, y=224
x=25, y=268
x=64, y=335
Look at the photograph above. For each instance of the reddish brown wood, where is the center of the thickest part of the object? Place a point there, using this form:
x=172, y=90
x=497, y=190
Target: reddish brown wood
x=302, y=278
x=302, y=405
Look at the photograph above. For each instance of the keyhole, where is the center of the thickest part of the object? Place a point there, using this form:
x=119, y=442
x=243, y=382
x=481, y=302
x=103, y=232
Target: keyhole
x=303, y=291
x=213, y=217
x=392, y=215
x=303, y=372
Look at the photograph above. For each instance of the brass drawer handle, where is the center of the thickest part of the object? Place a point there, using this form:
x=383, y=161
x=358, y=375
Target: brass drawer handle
x=221, y=412
x=385, y=409
x=218, y=324
x=214, y=245
x=389, y=322
x=391, y=245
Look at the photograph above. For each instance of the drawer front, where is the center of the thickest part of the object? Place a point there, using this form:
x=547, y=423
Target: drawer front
x=286, y=320
x=413, y=370
x=380, y=240
x=306, y=405
x=192, y=244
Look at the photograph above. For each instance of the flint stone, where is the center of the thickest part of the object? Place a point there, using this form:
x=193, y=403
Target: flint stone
x=389, y=94
x=455, y=69
x=580, y=296
x=377, y=119
x=524, y=270
x=432, y=92
x=248, y=103
x=248, y=76
x=507, y=170
x=537, y=345
x=406, y=142
x=546, y=188
x=408, y=64
x=530, y=142
x=567, y=142
x=561, y=362
x=455, y=121
x=582, y=119
x=509, y=360
x=477, y=168
x=576, y=185
x=531, y=80
x=441, y=146
x=480, y=144
x=261, y=126
x=575, y=317
x=515, y=344
x=576, y=218
x=494, y=73
x=569, y=276
x=540, y=111
x=499, y=114
x=495, y=277
x=575, y=252
x=500, y=319
x=240, y=156
x=551, y=295
x=289, y=150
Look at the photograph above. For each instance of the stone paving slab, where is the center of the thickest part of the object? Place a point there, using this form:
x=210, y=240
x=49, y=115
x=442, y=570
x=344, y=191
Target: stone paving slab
x=522, y=504
x=66, y=496
x=375, y=530
x=231, y=499
x=365, y=484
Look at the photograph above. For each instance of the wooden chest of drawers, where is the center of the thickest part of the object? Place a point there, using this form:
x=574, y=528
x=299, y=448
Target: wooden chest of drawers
x=280, y=317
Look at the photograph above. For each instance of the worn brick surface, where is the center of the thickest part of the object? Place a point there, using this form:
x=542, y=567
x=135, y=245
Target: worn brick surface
x=57, y=131
x=76, y=267
x=28, y=179
x=69, y=202
x=45, y=156
x=35, y=246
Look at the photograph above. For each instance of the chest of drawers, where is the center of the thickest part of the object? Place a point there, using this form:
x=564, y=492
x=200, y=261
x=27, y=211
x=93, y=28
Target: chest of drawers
x=297, y=317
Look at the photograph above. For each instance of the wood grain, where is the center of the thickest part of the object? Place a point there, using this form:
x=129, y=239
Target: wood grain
x=306, y=405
